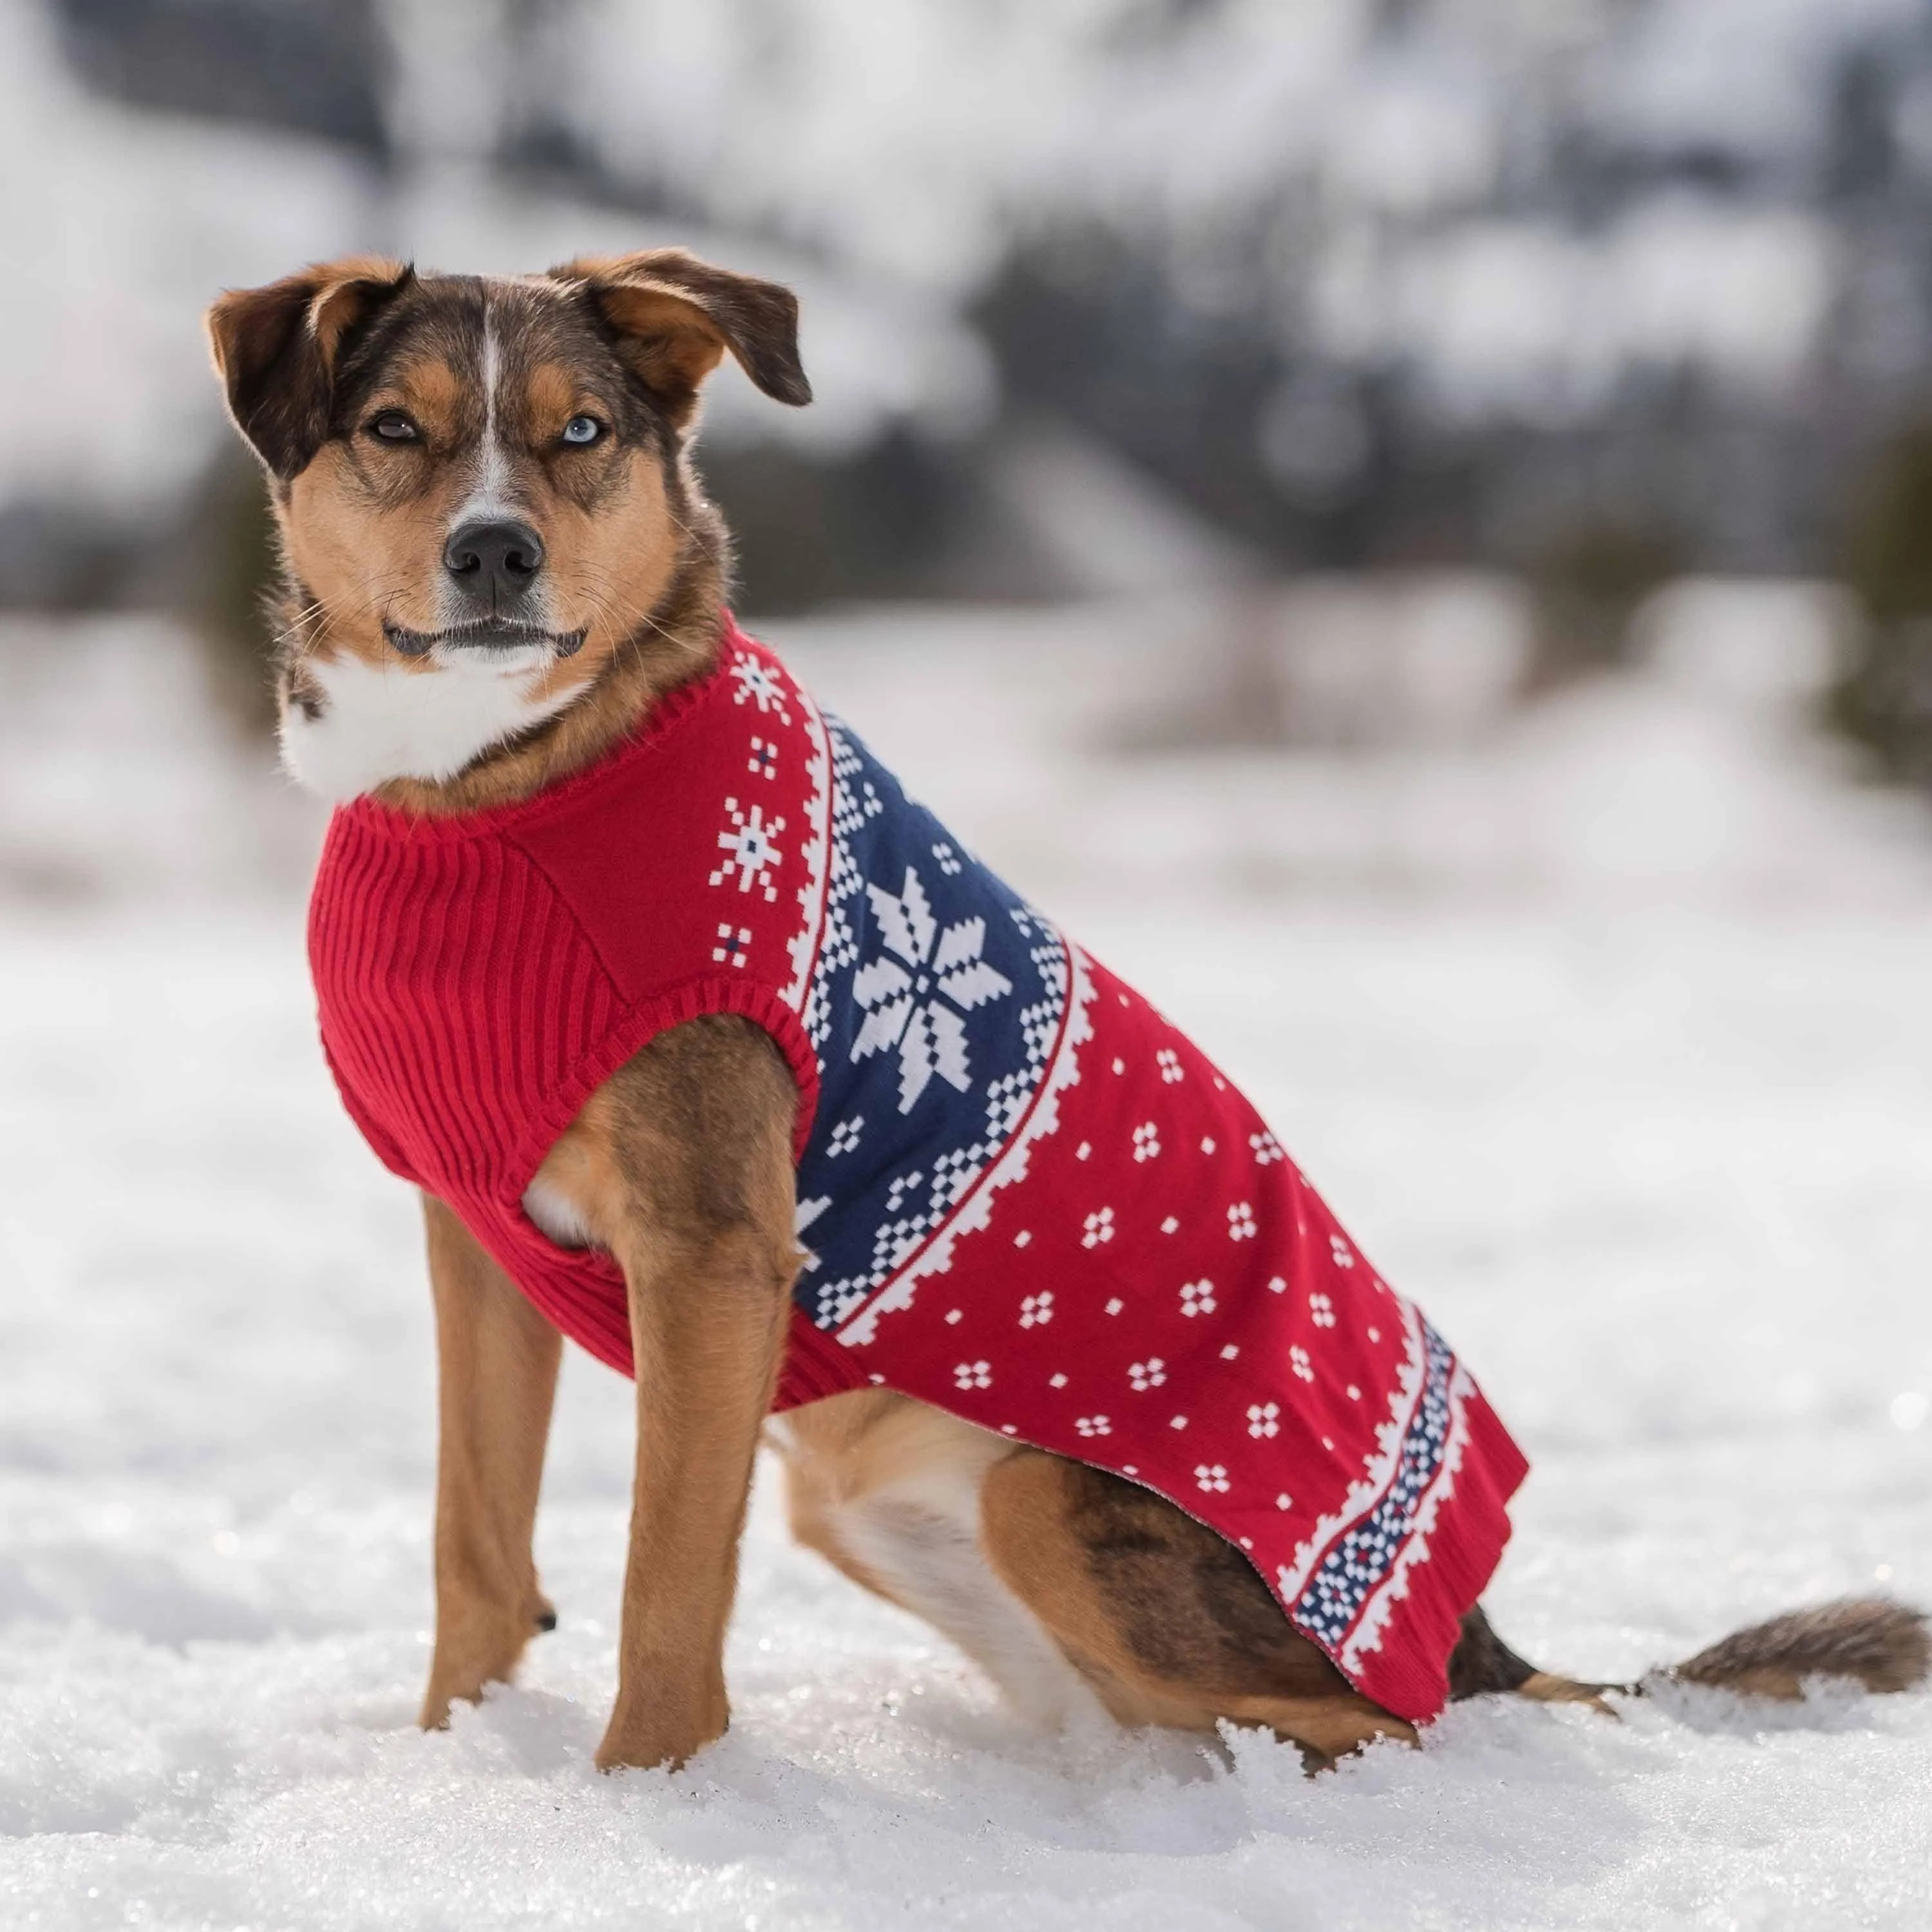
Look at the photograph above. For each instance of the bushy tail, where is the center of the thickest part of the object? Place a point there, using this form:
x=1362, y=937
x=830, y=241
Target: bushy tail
x=1883, y=1644
x=1868, y=1640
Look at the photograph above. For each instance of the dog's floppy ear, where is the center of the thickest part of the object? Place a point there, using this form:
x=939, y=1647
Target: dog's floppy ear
x=275, y=350
x=674, y=316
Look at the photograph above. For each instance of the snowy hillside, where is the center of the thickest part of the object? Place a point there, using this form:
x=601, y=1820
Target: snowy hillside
x=1654, y=1154
x=1655, y=263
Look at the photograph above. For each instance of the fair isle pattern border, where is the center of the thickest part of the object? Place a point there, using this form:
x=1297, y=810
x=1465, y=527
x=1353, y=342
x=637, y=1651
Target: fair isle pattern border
x=976, y=1209
x=1367, y=1634
x=803, y=947
x=1382, y=1528
x=1379, y=1471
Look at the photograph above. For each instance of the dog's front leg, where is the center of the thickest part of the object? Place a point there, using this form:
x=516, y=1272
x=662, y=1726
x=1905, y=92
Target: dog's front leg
x=708, y=1328
x=696, y=1132
x=496, y=1363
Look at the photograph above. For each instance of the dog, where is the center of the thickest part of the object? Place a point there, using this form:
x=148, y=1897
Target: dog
x=614, y=932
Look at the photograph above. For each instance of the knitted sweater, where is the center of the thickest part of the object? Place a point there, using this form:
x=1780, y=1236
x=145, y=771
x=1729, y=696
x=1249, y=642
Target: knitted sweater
x=1023, y=1195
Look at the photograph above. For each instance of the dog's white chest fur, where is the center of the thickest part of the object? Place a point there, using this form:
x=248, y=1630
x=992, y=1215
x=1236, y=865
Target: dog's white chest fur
x=380, y=723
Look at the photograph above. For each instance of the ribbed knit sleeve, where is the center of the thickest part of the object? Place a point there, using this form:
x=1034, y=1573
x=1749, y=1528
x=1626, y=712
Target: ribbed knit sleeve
x=455, y=993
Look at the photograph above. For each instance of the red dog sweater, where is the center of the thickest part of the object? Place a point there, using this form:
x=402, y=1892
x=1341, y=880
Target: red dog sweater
x=1023, y=1196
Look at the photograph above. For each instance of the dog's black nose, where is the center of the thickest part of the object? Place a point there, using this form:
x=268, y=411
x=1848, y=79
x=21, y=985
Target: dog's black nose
x=496, y=563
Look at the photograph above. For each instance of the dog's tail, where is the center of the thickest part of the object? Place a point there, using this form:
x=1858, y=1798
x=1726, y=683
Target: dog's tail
x=1871, y=1641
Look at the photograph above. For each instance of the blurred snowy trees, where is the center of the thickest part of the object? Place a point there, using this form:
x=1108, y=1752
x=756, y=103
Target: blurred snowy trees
x=1357, y=282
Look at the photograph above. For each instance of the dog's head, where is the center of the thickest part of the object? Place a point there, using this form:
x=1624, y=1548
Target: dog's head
x=481, y=486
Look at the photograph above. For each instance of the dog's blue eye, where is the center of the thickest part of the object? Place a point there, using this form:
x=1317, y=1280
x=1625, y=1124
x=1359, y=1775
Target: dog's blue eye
x=392, y=426
x=581, y=430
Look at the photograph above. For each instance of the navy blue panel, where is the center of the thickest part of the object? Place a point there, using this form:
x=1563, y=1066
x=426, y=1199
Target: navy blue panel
x=934, y=1010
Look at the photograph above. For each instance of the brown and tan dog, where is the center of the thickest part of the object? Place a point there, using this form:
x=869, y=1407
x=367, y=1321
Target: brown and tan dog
x=497, y=558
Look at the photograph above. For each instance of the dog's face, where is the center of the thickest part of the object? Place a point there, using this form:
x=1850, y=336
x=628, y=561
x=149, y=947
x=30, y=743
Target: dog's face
x=480, y=485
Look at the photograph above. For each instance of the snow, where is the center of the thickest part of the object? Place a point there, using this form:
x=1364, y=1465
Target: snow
x=1522, y=318
x=1738, y=76
x=1649, y=1140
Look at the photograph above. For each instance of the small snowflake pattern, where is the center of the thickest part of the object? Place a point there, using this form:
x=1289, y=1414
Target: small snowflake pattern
x=1264, y=1419
x=750, y=846
x=1036, y=1310
x=1093, y=1425
x=1298, y=1360
x=763, y=762
x=1197, y=1297
x=845, y=1136
x=760, y=684
x=1100, y=1227
x=1322, y=1311
x=1344, y=1255
x=950, y=862
x=733, y=946
x=1171, y=1070
x=1147, y=1142
x=1241, y=1222
x=973, y=1374
x=1211, y=1478
x=1267, y=1149
x=1148, y=1375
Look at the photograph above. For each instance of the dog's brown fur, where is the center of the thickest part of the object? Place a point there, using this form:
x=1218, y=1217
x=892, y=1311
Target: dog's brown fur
x=680, y=1166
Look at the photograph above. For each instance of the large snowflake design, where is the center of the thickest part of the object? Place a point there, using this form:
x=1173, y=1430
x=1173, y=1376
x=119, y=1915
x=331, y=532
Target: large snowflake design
x=915, y=991
x=750, y=844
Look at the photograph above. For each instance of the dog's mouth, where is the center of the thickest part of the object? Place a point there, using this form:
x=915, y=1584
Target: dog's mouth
x=488, y=635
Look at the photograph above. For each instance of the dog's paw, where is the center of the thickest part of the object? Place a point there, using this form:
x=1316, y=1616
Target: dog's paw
x=661, y=1740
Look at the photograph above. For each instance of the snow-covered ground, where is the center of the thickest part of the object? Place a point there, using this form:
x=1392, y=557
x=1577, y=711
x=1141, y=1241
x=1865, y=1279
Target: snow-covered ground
x=1608, y=1036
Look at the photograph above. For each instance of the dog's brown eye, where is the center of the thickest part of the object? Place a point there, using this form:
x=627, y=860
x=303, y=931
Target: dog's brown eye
x=392, y=426
x=581, y=430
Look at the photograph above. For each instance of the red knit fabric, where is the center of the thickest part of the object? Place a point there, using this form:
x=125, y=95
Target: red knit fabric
x=1116, y=1263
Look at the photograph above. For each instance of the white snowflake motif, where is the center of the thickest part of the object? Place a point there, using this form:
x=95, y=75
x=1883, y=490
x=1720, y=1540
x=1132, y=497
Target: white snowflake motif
x=1197, y=1297
x=1297, y=1360
x=904, y=998
x=1241, y=1222
x=1264, y=1419
x=1036, y=1310
x=753, y=849
x=950, y=862
x=1093, y=1425
x=764, y=761
x=973, y=1374
x=1147, y=1142
x=1148, y=1375
x=1344, y=1255
x=845, y=1136
x=1210, y=1476
x=1100, y=1228
x=1322, y=1311
x=1168, y=1061
x=1266, y=1148
x=734, y=945
x=757, y=686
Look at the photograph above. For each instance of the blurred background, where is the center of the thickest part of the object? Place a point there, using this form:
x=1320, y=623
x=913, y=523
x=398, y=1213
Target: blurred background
x=1352, y=404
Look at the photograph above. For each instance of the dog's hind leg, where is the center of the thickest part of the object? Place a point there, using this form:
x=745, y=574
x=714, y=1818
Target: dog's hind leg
x=887, y=1490
x=496, y=1364
x=1169, y=1624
